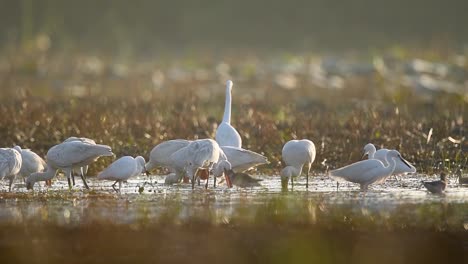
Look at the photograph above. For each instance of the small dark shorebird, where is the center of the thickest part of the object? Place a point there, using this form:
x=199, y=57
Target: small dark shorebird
x=242, y=180
x=436, y=186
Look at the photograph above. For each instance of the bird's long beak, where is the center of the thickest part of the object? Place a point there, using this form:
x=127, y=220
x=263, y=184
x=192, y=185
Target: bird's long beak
x=405, y=162
x=228, y=181
x=227, y=178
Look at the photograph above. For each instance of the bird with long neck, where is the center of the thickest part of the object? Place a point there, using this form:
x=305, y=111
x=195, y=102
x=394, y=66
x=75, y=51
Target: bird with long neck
x=366, y=172
x=381, y=154
x=66, y=156
x=296, y=154
x=199, y=154
x=226, y=134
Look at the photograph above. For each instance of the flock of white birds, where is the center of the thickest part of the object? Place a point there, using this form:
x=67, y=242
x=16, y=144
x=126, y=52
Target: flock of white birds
x=192, y=160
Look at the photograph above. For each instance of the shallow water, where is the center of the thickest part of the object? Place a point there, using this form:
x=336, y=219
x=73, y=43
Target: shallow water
x=149, y=219
x=149, y=199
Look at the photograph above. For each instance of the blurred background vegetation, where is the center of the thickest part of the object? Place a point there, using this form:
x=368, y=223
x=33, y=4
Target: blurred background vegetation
x=342, y=73
x=143, y=27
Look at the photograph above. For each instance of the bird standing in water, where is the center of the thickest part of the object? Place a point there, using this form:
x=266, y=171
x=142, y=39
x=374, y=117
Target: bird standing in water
x=436, y=187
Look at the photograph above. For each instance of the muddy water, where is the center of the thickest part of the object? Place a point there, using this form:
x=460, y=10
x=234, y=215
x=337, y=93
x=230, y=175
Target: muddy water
x=149, y=221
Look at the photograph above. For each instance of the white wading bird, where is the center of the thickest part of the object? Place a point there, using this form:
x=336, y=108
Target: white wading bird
x=242, y=159
x=80, y=170
x=381, y=154
x=227, y=135
x=31, y=162
x=10, y=164
x=199, y=154
x=366, y=172
x=160, y=157
x=66, y=156
x=296, y=154
x=239, y=159
x=122, y=169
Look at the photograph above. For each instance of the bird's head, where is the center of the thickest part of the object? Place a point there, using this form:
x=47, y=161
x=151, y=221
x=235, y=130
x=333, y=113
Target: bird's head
x=443, y=177
x=369, y=148
x=30, y=182
x=286, y=174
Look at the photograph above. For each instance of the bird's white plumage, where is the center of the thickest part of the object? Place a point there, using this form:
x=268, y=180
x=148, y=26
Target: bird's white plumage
x=226, y=134
x=161, y=153
x=296, y=154
x=381, y=154
x=366, y=172
x=31, y=162
x=81, y=170
x=69, y=155
x=202, y=153
x=76, y=154
x=123, y=169
x=10, y=164
x=242, y=159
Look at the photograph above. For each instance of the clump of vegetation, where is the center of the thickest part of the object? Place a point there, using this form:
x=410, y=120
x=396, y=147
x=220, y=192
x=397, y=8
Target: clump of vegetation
x=136, y=105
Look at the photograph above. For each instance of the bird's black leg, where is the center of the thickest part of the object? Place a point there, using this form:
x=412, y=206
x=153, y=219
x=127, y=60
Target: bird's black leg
x=113, y=186
x=84, y=182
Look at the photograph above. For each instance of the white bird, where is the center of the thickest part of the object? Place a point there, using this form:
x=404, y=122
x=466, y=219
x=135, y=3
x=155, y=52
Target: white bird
x=366, y=172
x=243, y=159
x=199, y=154
x=220, y=168
x=240, y=159
x=237, y=160
x=66, y=156
x=10, y=164
x=160, y=156
x=296, y=154
x=381, y=154
x=80, y=170
x=123, y=169
x=227, y=135
x=31, y=162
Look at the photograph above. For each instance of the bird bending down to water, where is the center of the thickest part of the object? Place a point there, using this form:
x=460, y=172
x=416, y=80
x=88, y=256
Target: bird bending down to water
x=123, y=169
x=84, y=169
x=400, y=167
x=31, y=162
x=10, y=164
x=436, y=187
x=366, y=172
x=160, y=157
x=227, y=135
x=240, y=159
x=296, y=154
x=66, y=156
x=199, y=154
x=241, y=179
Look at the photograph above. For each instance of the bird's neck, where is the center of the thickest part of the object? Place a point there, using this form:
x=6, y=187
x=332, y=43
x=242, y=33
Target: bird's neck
x=227, y=107
x=294, y=171
x=48, y=174
x=372, y=153
x=391, y=165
